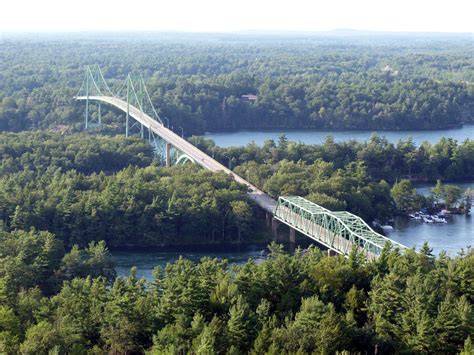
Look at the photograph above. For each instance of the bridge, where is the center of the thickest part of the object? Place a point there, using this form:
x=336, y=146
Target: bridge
x=338, y=231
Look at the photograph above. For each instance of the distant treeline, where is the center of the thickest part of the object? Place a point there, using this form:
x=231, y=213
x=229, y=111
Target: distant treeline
x=198, y=81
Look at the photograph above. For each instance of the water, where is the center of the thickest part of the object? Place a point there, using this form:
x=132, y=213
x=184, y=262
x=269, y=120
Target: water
x=146, y=261
x=425, y=189
x=456, y=234
x=239, y=138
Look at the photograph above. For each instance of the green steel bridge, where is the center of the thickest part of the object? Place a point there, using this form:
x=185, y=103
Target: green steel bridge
x=338, y=231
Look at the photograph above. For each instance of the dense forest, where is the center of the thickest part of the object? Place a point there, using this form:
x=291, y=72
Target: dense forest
x=198, y=81
x=52, y=302
x=91, y=188
x=447, y=159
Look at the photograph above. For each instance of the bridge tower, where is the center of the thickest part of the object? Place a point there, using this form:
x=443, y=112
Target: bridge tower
x=93, y=85
x=134, y=93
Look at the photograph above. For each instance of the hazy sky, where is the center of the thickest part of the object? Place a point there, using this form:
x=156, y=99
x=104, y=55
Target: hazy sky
x=222, y=15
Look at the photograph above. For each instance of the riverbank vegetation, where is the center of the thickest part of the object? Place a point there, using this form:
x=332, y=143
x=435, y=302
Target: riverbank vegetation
x=304, y=303
x=444, y=197
x=198, y=81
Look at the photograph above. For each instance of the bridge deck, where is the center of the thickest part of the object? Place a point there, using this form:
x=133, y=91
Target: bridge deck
x=261, y=198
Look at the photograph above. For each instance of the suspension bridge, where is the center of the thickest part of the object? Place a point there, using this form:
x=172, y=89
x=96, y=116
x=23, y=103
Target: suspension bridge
x=338, y=231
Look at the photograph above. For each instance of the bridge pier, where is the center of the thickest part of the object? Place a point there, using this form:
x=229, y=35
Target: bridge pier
x=292, y=236
x=168, y=155
x=275, y=225
x=268, y=217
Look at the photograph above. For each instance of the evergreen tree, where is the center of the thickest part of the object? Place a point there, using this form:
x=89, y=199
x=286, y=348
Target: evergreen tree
x=241, y=325
x=448, y=326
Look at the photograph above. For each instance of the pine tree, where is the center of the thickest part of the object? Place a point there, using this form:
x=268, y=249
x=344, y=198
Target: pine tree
x=447, y=327
x=204, y=344
x=330, y=336
x=468, y=347
x=466, y=316
x=240, y=327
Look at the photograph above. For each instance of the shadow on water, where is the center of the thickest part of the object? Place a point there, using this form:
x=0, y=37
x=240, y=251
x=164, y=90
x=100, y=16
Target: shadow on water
x=146, y=260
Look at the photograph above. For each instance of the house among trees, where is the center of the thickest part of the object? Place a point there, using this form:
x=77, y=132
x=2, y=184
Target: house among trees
x=249, y=97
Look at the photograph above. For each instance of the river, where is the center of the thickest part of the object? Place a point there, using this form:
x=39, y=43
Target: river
x=306, y=136
x=146, y=260
x=451, y=237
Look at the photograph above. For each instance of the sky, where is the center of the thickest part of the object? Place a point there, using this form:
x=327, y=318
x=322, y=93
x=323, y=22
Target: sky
x=236, y=15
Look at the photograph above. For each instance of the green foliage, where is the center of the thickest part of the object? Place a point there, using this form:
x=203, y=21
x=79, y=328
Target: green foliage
x=85, y=153
x=33, y=258
x=324, y=82
x=405, y=196
x=40, y=339
x=449, y=195
x=124, y=201
x=304, y=303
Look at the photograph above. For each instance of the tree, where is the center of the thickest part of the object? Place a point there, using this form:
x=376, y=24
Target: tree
x=330, y=336
x=468, y=204
x=40, y=339
x=405, y=196
x=242, y=214
x=241, y=325
x=448, y=326
x=468, y=347
x=451, y=195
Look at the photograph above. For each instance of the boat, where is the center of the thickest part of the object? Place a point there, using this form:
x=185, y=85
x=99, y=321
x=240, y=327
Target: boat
x=427, y=219
x=416, y=216
x=438, y=219
x=387, y=227
x=445, y=213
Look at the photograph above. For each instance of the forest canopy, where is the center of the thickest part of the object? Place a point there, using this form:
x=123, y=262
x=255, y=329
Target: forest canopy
x=198, y=81
x=52, y=302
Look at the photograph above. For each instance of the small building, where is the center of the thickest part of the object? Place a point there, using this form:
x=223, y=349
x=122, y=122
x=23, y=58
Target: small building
x=249, y=97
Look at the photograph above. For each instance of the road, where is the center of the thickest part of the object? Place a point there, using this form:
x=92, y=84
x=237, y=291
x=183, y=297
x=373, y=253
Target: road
x=258, y=196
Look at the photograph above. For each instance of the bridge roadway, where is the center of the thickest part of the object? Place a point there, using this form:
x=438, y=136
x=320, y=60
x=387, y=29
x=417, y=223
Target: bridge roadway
x=261, y=198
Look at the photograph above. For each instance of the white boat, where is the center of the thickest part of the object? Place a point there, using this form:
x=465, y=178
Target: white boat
x=387, y=227
x=438, y=219
x=427, y=219
x=415, y=216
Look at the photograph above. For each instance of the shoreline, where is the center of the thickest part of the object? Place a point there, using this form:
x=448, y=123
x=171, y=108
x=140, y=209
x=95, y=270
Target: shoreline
x=315, y=129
